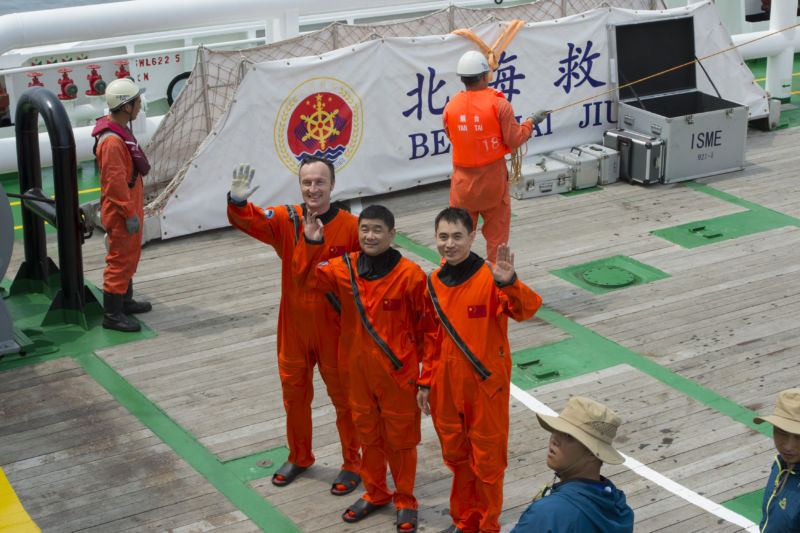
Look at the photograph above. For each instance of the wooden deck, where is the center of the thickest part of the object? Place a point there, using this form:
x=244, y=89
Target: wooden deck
x=152, y=451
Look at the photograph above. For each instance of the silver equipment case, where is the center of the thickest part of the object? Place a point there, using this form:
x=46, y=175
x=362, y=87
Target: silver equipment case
x=704, y=134
x=541, y=176
x=585, y=167
x=641, y=157
x=608, y=159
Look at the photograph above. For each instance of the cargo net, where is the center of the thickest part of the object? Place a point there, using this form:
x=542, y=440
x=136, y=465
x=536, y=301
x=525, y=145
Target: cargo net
x=210, y=88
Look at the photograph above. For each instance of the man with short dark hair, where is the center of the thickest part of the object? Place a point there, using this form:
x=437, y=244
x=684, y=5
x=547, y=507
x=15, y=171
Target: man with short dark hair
x=781, y=505
x=387, y=329
x=308, y=323
x=582, y=500
x=468, y=385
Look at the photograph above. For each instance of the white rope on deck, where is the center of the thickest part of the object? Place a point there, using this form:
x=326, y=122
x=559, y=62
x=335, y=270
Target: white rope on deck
x=648, y=473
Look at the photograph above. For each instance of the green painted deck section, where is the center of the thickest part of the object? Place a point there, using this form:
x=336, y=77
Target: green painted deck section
x=748, y=505
x=610, y=274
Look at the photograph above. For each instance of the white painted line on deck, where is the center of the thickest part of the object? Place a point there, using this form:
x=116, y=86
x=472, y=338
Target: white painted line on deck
x=648, y=473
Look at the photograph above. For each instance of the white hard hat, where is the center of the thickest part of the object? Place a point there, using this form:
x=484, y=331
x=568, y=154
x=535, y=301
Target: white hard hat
x=471, y=64
x=120, y=92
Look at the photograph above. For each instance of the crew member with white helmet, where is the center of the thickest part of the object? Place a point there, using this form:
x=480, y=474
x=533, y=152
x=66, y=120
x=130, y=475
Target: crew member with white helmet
x=122, y=165
x=482, y=128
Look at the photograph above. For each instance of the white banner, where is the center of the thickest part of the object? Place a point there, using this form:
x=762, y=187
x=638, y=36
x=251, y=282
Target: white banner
x=376, y=108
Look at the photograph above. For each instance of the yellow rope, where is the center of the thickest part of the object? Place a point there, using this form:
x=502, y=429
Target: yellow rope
x=670, y=69
x=515, y=164
x=515, y=171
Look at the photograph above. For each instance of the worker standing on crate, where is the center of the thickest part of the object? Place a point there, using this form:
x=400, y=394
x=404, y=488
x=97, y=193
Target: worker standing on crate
x=122, y=165
x=482, y=128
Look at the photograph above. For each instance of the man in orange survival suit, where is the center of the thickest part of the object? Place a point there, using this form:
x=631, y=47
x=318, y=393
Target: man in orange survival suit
x=308, y=323
x=482, y=129
x=387, y=329
x=468, y=384
x=122, y=164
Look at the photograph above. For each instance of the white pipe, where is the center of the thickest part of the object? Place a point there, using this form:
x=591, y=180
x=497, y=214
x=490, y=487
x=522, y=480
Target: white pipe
x=783, y=14
x=779, y=49
x=84, y=142
x=774, y=44
x=51, y=26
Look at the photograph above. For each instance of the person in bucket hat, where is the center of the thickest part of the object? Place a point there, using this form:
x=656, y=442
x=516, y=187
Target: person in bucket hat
x=582, y=500
x=780, y=509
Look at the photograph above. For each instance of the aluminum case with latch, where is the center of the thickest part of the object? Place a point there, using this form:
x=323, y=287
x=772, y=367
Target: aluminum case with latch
x=585, y=167
x=704, y=134
x=609, y=161
x=541, y=176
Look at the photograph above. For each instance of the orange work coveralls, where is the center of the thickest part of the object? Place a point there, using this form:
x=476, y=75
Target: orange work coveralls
x=308, y=326
x=382, y=397
x=470, y=415
x=118, y=202
x=480, y=182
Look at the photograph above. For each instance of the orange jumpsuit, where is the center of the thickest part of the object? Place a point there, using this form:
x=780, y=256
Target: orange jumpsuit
x=470, y=414
x=480, y=185
x=118, y=202
x=308, y=326
x=382, y=397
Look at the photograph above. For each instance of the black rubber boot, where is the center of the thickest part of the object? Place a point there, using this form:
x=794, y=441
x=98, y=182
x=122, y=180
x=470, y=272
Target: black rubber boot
x=113, y=317
x=131, y=306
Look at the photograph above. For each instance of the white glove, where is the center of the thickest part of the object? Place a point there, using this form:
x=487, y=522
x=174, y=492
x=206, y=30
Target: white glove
x=539, y=116
x=240, y=184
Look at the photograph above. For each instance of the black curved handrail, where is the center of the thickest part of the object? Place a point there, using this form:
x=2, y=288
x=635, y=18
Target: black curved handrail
x=37, y=266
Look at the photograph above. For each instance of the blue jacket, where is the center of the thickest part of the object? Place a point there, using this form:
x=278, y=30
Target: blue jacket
x=780, y=510
x=578, y=506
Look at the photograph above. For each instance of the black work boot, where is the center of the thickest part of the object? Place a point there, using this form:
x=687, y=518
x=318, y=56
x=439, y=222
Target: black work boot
x=131, y=306
x=113, y=317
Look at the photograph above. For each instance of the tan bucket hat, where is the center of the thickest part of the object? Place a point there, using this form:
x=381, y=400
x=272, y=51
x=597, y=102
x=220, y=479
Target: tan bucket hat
x=593, y=424
x=787, y=412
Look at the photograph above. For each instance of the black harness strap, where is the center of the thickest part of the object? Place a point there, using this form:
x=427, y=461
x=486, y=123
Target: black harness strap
x=295, y=218
x=396, y=363
x=334, y=301
x=481, y=370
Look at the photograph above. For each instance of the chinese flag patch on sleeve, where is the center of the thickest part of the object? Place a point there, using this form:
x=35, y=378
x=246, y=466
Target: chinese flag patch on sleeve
x=476, y=311
x=336, y=251
x=391, y=304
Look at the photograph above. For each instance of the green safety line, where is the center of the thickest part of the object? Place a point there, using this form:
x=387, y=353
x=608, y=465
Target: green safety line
x=229, y=478
x=246, y=499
